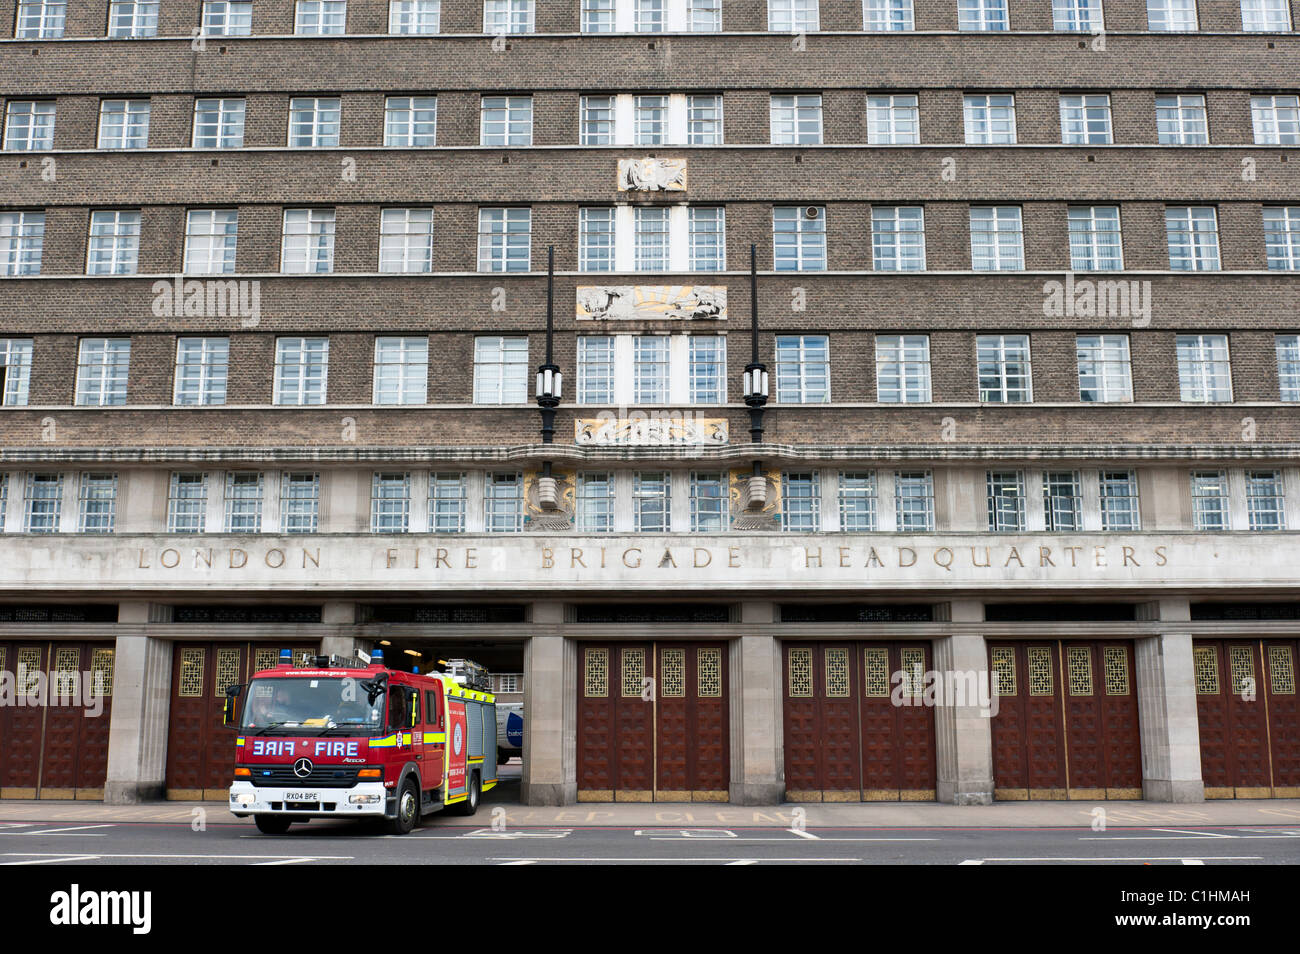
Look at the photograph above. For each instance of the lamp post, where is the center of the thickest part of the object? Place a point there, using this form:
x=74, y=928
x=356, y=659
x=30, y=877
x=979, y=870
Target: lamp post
x=755, y=380
x=550, y=380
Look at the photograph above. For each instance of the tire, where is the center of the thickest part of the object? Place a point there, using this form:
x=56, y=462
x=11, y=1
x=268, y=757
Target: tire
x=408, y=809
x=272, y=824
x=470, y=805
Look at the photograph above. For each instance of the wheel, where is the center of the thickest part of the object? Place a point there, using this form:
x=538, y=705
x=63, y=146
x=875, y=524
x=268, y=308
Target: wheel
x=470, y=805
x=408, y=809
x=272, y=824
x=502, y=756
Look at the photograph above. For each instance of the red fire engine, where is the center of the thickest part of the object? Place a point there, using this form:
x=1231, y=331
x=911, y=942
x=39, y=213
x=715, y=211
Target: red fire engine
x=347, y=739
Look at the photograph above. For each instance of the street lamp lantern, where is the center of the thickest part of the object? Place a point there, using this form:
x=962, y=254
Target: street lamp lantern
x=756, y=391
x=755, y=385
x=550, y=380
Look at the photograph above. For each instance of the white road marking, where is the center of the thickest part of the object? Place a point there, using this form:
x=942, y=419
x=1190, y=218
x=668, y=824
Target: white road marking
x=972, y=861
x=1124, y=858
x=286, y=861
x=1202, y=834
x=76, y=830
x=54, y=861
x=668, y=859
x=1193, y=861
x=744, y=861
x=521, y=861
x=511, y=834
x=55, y=854
x=804, y=834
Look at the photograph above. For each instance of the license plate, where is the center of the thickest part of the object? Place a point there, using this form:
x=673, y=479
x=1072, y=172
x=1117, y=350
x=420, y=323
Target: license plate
x=301, y=797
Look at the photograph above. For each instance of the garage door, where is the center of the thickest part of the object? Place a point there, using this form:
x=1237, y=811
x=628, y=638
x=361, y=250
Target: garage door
x=653, y=722
x=1249, y=718
x=845, y=738
x=57, y=746
x=200, y=750
x=1067, y=721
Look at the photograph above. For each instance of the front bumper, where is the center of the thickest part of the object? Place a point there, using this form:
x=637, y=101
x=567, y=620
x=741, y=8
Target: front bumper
x=363, y=800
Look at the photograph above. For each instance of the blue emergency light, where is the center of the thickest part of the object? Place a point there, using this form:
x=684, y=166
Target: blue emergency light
x=377, y=656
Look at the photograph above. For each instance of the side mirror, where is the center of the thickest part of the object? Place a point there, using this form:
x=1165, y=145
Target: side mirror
x=229, y=705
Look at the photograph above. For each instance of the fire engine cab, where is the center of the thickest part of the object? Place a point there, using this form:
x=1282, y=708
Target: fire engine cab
x=354, y=739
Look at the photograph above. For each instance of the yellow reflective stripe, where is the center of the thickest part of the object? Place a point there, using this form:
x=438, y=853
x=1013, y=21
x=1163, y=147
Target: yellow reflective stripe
x=239, y=742
x=474, y=761
x=456, y=798
x=487, y=785
x=386, y=742
x=435, y=737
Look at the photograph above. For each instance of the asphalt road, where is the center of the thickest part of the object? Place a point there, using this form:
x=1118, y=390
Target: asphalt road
x=330, y=842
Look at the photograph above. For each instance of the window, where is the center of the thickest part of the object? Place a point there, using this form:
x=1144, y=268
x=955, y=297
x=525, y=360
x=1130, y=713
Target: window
x=133, y=18
x=500, y=370
x=597, y=16
x=114, y=244
x=210, y=236
x=1281, y=237
x=222, y=18
x=704, y=16
x=902, y=369
x=1180, y=120
x=650, y=369
x=596, y=240
x=1276, y=120
x=982, y=14
x=1118, y=490
x=1265, y=16
x=595, y=369
x=401, y=370
x=1006, y=501
x=218, y=123
x=800, y=502
x=29, y=125
x=102, y=368
x=1004, y=370
x=1171, y=16
x=803, y=369
x=893, y=120
x=411, y=122
x=1077, y=16
x=320, y=17
x=792, y=16
x=650, y=120
x=406, y=240
x=1105, y=371
x=990, y=119
x=124, y=124
x=1265, y=507
x=1193, y=233
x=996, y=239
x=307, y=245
x=97, y=503
x=1062, y=501
x=650, y=239
x=507, y=16
x=40, y=19
x=593, y=503
x=914, y=501
x=708, y=239
x=314, y=122
x=597, y=121
x=709, y=503
x=704, y=120
x=799, y=239
x=1288, y=366
x=652, y=502
x=22, y=240
x=648, y=16
x=504, y=240
x=503, y=503
x=1085, y=119
x=708, y=369
x=390, y=503
x=301, y=370
x=1210, y=500
x=796, y=120
x=447, y=503
x=187, y=503
x=418, y=17
x=243, y=502
x=1204, y=369
x=202, y=366
x=506, y=121
x=887, y=16
x=898, y=238
x=299, y=503
x=1095, y=243
x=16, y=371
x=858, y=502
x=43, y=503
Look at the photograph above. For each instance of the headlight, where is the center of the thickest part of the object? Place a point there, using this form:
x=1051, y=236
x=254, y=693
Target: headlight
x=244, y=799
x=364, y=799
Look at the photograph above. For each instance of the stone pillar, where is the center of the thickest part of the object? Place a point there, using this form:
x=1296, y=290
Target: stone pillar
x=341, y=613
x=1166, y=691
x=137, y=732
x=757, y=742
x=550, y=764
x=963, y=733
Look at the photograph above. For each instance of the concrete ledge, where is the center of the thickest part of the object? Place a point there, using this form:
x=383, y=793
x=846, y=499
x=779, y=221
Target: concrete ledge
x=550, y=795
x=757, y=793
x=1182, y=792
x=132, y=793
x=965, y=793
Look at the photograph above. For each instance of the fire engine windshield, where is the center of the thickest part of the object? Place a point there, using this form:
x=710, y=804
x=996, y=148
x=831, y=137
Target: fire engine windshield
x=333, y=705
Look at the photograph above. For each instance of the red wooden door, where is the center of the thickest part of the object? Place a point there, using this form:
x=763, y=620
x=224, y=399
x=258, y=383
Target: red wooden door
x=691, y=731
x=1233, y=719
x=1283, y=715
x=898, y=759
x=21, y=725
x=616, y=723
x=1028, y=739
x=822, y=731
x=1102, y=738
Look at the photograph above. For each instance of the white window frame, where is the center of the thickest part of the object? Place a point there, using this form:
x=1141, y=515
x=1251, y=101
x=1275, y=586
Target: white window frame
x=22, y=243
x=414, y=17
x=1282, y=237
x=888, y=16
x=497, y=240
x=893, y=119
x=297, y=382
x=516, y=121
x=1193, y=247
x=1185, y=121
x=907, y=518
x=401, y=370
x=1265, y=16
x=183, y=507
x=402, y=119
x=29, y=125
x=501, y=374
x=97, y=503
x=1006, y=511
x=997, y=238
x=227, y=18
x=103, y=372
x=995, y=356
x=307, y=241
x=1276, y=119
x=43, y=511
x=1204, y=368
x=315, y=122
x=132, y=18
x=1085, y=119
x=202, y=371
x=903, y=369
x=504, y=17
x=382, y=501
x=447, y=488
x=1172, y=16
x=320, y=18
x=229, y=122
x=242, y=501
x=16, y=359
x=803, y=369
x=131, y=115
x=40, y=19
x=1126, y=513
x=1104, y=360
x=299, y=512
x=211, y=237
x=503, y=502
x=859, y=501
x=801, y=512
x=1077, y=16
x=406, y=241
x=983, y=16
x=1288, y=366
x=791, y=117
x=1265, y=512
x=1095, y=246
x=989, y=119
x=809, y=245
x=113, y=247
x=898, y=237
x=793, y=16
x=1210, y=497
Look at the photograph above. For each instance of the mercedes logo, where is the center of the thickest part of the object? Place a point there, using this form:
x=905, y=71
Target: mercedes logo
x=302, y=768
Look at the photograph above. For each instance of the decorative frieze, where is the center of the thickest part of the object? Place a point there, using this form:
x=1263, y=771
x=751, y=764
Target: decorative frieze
x=651, y=302
x=652, y=175
x=651, y=430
